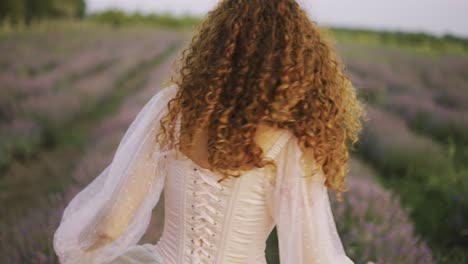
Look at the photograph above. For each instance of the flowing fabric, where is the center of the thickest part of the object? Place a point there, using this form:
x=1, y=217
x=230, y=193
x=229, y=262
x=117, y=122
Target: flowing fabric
x=301, y=210
x=118, y=203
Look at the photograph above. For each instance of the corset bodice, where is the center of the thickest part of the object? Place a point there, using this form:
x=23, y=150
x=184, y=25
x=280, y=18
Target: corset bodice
x=210, y=222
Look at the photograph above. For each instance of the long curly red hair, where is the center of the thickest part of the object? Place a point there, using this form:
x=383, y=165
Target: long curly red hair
x=255, y=61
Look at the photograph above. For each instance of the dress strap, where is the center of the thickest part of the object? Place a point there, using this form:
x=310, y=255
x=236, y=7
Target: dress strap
x=177, y=126
x=275, y=149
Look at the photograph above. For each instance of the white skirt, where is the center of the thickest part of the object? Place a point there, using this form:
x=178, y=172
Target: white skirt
x=140, y=254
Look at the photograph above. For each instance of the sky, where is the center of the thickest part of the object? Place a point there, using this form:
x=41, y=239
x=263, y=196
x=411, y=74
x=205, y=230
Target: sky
x=436, y=17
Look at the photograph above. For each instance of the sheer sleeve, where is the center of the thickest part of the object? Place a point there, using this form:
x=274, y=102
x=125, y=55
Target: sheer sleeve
x=301, y=209
x=117, y=205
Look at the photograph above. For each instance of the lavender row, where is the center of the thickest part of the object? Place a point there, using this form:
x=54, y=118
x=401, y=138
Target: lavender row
x=33, y=109
x=428, y=92
x=423, y=173
x=373, y=224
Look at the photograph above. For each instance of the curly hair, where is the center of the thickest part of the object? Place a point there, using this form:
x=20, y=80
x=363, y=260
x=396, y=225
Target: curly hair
x=252, y=62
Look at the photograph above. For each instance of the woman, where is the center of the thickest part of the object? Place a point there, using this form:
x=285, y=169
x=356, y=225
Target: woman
x=250, y=136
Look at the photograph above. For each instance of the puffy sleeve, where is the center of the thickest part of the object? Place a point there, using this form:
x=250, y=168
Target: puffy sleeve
x=301, y=210
x=117, y=205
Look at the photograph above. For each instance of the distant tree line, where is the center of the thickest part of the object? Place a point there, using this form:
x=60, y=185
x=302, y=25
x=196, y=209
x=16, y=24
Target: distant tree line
x=445, y=42
x=19, y=11
x=119, y=18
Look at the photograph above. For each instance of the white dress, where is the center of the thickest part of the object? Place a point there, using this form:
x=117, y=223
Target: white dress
x=205, y=221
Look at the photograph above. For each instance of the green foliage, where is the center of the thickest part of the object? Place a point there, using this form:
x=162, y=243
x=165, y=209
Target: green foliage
x=12, y=10
x=118, y=18
x=27, y=11
x=418, y=41
x=377, y=95
x=456, y=130
x=432, y=185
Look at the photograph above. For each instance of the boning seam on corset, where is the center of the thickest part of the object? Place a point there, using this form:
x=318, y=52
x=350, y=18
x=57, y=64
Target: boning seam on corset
x=227, y=219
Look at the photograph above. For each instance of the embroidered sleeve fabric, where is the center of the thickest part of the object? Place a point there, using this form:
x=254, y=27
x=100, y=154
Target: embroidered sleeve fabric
x=113, y=212
x=301, y=209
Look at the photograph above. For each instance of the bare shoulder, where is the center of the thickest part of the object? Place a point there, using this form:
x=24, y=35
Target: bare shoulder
x=267, y=135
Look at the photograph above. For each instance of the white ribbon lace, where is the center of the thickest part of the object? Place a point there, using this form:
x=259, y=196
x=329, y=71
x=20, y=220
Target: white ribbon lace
x=203, y=221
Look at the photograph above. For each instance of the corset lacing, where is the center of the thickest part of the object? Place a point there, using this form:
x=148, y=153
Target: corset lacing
x=203, y=222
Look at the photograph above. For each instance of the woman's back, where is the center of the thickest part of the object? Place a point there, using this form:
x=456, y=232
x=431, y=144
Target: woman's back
x=205, y=221
x=225, y=222
x=265, y=137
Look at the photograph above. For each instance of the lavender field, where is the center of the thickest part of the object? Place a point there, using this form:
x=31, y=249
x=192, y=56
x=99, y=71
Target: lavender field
x=68, y=93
